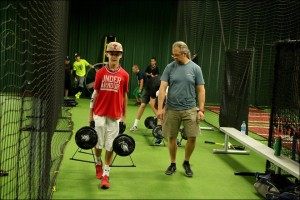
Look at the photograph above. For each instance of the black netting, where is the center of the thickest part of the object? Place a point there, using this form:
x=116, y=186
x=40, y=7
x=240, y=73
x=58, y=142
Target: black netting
x=234, y=108
x=285, y=112
x=33, y=44
x=211, y=27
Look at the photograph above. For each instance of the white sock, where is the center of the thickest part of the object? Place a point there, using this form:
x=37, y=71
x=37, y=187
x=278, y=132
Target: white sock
x=136, y=122
x=106, y=170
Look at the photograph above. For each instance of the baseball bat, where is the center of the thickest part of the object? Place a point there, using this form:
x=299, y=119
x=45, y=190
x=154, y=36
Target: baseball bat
x=231, y=146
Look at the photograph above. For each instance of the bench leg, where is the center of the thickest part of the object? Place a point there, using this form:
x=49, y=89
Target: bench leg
x=226, y=150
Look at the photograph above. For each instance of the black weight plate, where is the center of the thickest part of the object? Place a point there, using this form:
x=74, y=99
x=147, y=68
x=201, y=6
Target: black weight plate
x=86, y=137
x=157, y=132
x=123, y=145
x=149, y=122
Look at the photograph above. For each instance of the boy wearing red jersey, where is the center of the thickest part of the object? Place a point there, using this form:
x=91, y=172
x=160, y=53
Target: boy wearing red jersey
x=108, y=107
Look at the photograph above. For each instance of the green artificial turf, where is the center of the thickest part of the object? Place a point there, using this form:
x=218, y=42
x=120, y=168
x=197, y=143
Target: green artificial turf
x=213, y=173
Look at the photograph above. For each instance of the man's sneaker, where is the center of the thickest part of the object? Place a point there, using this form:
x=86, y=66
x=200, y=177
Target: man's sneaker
x=187, y=169
x=99, y=171
x=171, y=170
x=134, y=128
x=158, y=142
x=105, y=182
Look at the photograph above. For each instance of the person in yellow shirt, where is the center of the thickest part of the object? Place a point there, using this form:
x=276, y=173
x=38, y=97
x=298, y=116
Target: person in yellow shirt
x=79, y=67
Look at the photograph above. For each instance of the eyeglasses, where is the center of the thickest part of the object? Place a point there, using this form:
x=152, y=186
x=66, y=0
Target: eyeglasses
x=115, y=53
x=176, y=55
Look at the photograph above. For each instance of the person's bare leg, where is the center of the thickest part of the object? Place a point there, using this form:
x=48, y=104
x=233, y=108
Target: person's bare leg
x=98, y=152
x=105, y=179
x=172, y=149
x=98, y=162
x=140, y=111
x=108, y=157
x=152, y=105
x=138, y=117
x=189, y=147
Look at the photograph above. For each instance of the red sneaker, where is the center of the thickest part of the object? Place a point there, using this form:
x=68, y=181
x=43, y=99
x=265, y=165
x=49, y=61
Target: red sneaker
x=99, y=171
x=105, y=182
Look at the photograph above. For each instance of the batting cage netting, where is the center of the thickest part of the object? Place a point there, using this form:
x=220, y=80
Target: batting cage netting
x=214, y=28
x=285, y=112
x=210, y=28
x=34, y=126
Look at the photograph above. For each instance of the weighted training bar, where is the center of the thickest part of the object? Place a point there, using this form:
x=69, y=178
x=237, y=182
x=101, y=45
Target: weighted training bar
x=151, y=123
x=122, y=126
x=157, y=132
x=123, y=145
x=86, y=137
x=183, y=134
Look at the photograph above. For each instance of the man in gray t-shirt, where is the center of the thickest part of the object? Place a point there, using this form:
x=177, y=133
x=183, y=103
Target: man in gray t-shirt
x=186, y=89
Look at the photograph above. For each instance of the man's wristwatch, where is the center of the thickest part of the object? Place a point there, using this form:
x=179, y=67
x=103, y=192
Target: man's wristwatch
x=201, y=110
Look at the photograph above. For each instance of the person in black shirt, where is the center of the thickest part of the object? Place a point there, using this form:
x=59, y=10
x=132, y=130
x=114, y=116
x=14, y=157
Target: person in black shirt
x=146, y=95
x=152, y=70
x=142, y=82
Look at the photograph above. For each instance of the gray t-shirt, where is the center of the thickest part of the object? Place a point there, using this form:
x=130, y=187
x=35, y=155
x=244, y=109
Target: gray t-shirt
x=182, y=81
